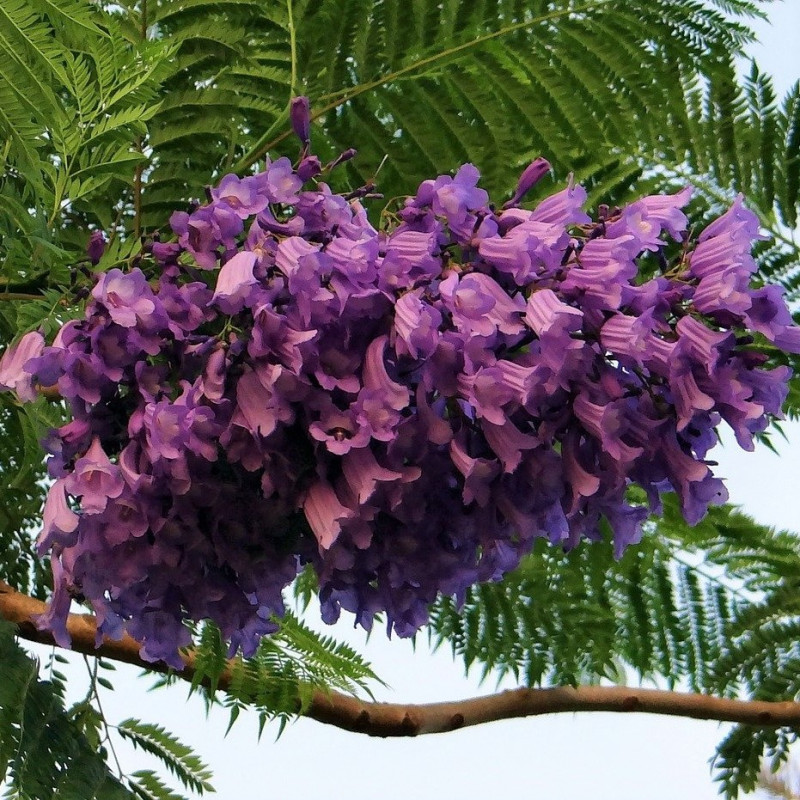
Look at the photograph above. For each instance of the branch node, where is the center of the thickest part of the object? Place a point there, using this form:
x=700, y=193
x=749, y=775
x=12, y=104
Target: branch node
x=631, y=703
x=456, y=721
x=408, y=726
x=363, y=720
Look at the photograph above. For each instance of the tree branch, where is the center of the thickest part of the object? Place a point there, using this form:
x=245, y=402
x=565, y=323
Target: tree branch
x=396, y=719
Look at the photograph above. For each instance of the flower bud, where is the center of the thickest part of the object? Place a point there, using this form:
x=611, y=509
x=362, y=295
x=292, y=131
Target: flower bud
x=96, y=247
x=533, y=173
x=300, y=118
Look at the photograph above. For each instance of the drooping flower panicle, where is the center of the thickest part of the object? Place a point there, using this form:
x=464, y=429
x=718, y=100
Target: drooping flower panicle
x=405, y=409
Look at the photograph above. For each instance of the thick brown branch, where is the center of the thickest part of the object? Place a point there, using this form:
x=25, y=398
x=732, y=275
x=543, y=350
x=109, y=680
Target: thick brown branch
x=395, y=719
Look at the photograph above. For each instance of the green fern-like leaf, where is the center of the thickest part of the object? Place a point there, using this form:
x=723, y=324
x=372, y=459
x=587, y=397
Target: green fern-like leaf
x=716, y=607
x=147, y=785
x=174, y=755
x=43, y=752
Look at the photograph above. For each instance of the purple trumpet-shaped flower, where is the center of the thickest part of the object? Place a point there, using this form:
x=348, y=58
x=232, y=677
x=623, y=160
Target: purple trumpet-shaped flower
x=325, y=514
x=280, y=182
x=54, y=620
x=563, y=208
x=364, y=474
x=60, y=522
x=95, y=479
x=235, y=283
x=553, y=320
x=769, y=315
x=454, y=198
x=647, y=218
x=416, y=324
x=243, y=195
x=478, y=474
x=127, y=297
x=376, y=377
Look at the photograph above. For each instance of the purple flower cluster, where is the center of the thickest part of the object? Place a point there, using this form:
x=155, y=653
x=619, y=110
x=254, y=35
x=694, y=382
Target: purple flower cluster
x=405, y=409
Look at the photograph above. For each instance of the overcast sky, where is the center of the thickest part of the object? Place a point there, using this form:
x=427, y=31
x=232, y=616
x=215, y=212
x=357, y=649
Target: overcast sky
x=598, y=756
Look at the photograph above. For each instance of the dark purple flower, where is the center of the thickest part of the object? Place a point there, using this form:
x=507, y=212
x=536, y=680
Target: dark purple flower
x=478, y=474
x=309, y=168
x=769, y=315
x=96, y=247
x=406, y=408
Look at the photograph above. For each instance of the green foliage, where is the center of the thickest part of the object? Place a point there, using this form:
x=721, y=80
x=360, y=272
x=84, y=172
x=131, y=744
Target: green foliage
x=49, y=751
x=22, y=465
x=436, y=85
x=715, y=608
x=740, y=756
x=44, y=752
x=176, y=757
x=280, y=679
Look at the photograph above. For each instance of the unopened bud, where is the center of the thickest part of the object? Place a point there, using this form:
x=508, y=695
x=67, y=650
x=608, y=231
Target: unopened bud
x=96, y=247
x=308, y=168
x=533, y=173
x=300, y=117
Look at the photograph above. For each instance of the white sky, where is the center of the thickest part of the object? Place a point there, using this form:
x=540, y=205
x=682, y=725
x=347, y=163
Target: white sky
x=602, y=756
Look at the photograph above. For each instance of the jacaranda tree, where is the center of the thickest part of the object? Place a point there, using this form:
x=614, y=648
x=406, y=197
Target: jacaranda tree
x=466, y=379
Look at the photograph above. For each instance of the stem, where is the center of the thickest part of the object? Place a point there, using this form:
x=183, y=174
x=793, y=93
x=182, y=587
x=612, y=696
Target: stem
x=137, y=175
x=293, y=47
x=107, y=732
x=396, y=719
x=137, y=194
